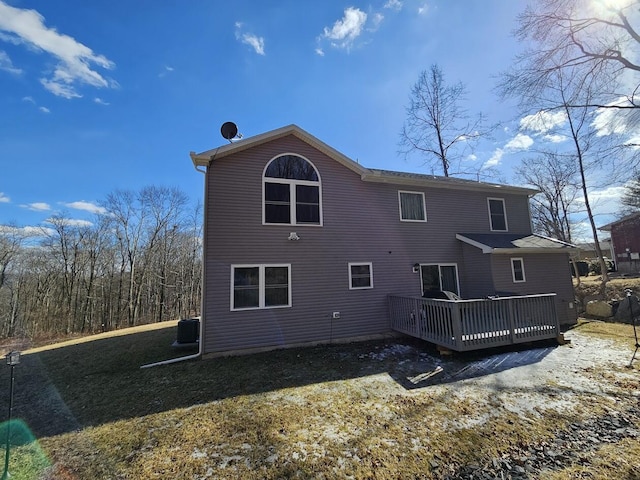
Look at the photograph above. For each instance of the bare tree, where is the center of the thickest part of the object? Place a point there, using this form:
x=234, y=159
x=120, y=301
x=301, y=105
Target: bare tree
x=141, y=220
x=631, y=197
x=10, y=242
x=591, y=37
x=555, y=176
x=590, y=150
x=138, y=262
x=438, y=127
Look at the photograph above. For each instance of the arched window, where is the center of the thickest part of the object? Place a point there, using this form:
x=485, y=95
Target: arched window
x=291, y=192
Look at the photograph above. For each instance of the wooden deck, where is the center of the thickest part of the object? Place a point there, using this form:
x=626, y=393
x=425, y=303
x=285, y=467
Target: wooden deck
x=463, y=325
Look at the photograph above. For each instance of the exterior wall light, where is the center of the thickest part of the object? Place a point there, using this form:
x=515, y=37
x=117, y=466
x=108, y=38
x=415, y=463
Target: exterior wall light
x=416, y=268
x=293, y=236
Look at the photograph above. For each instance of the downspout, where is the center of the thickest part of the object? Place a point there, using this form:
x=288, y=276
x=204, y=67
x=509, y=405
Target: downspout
x=201, y=323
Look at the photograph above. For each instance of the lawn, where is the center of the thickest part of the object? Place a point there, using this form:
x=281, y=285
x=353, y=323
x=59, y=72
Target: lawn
x=386, y=409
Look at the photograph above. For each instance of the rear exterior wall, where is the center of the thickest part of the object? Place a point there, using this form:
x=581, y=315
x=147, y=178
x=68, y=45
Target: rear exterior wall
x=542, y=275
x=360, y=224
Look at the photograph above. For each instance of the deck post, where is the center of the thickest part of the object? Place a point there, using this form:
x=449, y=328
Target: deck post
x=512, y=316
x=417, y=323
x=456, y=320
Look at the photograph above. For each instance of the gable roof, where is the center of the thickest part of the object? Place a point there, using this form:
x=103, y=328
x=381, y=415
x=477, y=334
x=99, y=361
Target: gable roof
x=511, y=243
x=624, y=219
x=205, y=158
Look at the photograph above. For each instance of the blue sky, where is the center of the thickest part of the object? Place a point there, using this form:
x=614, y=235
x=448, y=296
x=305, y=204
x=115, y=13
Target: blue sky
x=99, y=96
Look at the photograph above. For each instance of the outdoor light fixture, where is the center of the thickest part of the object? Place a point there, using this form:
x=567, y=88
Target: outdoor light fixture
x=293, y=236
x=13, y=359
x=416, y=268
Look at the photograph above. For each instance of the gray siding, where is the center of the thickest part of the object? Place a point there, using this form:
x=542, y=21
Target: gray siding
x=476, y=273
x=544, y=274
x=360, y=224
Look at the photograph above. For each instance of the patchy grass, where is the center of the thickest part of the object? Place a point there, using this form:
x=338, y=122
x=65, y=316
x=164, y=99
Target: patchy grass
x=622, y=334
x=338, y=411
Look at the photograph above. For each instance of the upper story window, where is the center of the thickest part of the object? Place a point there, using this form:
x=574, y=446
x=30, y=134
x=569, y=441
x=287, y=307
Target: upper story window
x=412, y=206
x=292, y=192
x=497, y=215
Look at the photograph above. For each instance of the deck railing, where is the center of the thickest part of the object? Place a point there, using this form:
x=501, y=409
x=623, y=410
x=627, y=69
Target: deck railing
x=475, y=324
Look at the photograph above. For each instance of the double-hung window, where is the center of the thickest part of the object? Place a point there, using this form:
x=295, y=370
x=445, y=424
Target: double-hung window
x=260, y=286
x=412, y=206
x=517, y=270
x=292, y=194
x=497, y=215
x=360, y=276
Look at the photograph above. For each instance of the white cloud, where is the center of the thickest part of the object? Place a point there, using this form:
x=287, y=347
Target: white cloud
x=29, y=99
x=543, y=121
x=44, y=109
x=320, y=52
x=423, y=9
x=393, y=4
x=555, y=138
x=4, y=198
x=37, y=206
x=255, y=42
x=346, y=30
x=25, y=231
x=604, y=202
x=70, y=222
x=99, y=101
x=75, y=60
x=7, y=65
x=519, y=142
x=167, y=69
x=86, y=206
x=613, y=121
x=495, y=159
x=377, y=20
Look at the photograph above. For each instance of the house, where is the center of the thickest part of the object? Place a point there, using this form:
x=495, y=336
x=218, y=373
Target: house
x=587, y=251
x=303, y=245
x=625, y=242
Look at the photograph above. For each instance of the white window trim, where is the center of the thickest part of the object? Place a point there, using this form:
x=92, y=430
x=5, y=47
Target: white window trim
x=261, y=300
x=370, y=264
x=513, y=270
x=292, y=192
x=504, y=211
x=424, y=206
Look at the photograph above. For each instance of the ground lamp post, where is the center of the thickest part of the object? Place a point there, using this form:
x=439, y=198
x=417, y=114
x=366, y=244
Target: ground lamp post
x=632, y=318
x=13, y=359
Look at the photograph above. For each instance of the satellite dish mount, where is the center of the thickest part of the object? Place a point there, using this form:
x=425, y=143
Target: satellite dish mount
x=229, y=130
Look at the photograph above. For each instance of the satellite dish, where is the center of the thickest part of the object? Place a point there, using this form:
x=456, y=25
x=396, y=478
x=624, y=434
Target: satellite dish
x=229, y=130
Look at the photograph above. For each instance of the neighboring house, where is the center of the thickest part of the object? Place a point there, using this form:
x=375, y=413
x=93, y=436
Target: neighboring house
x=303, y=245
x=588, y=250
x=625, y=240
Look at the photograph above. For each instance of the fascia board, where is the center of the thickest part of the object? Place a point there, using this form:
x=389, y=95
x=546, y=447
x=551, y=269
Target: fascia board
x=377, y=177
x=473, y=243
x=205, y=158
x=516, y=251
